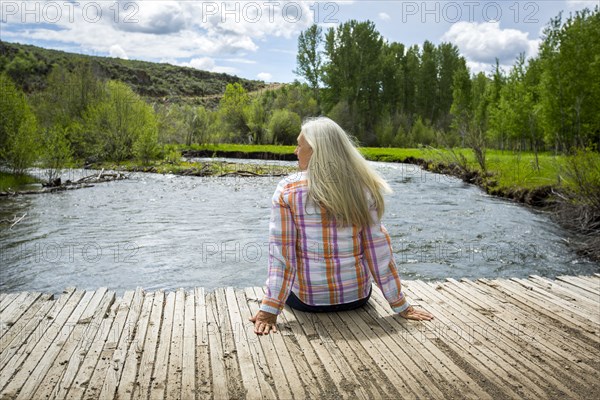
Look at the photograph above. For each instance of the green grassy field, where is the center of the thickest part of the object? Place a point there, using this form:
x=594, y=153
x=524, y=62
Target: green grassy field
x=13, y=182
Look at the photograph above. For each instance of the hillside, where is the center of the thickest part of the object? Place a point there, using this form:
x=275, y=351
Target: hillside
x=30, y=65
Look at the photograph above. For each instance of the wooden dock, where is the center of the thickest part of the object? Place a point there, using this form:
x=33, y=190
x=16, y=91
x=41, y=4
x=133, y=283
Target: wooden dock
x=491, y=339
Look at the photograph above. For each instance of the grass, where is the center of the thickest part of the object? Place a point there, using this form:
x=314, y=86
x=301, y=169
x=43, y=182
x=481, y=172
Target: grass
x=510, y=170
x=12, y=182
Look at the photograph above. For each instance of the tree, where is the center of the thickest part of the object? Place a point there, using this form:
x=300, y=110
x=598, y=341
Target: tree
x=115, y=124
x=19, y=139
x=427, y=83
x=353, y=74
x=308, y=59
x=231, y=108
x=56, y=151
x=284, y=127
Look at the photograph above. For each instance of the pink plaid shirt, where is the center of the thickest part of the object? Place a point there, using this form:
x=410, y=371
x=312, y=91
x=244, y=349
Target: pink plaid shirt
x=322, y=263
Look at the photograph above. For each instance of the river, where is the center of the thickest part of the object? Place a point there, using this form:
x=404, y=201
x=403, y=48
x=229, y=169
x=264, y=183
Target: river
x=166, y=232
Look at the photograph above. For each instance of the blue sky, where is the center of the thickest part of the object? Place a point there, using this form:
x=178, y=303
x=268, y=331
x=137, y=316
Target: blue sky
x=258, y=39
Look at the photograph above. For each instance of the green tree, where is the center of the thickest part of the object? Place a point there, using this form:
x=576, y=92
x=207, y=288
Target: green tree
x=19, y=138
x=309, y=58
x=427, y=83
x=353, y=74
x=56, y=151
x=115, y=124
x=284, y=127
x=231, y=108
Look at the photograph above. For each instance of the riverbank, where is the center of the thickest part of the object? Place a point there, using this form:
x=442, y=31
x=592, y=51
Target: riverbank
x=509, y=175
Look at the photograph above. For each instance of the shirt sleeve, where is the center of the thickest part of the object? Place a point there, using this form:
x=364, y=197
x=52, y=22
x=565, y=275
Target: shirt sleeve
x=282, y=253
x=377, y=251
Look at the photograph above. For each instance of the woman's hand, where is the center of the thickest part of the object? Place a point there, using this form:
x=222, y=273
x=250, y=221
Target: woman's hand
x=418, y=315
x=264, y=323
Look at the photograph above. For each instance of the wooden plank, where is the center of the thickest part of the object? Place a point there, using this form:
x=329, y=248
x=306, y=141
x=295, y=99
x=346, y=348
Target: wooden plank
x=217, y=361
x=368, y=365
x=126, y=336
x=34, y=342
x=71, y=344
x=188, y=377
x=405, y=366
x=547, y=309
x=404, y=334
x=373, y=383
x=571, y=288
x=8, y=299
x=16, y=309
x=36, y=312
x=271, y=376
x=347, y=382
x=150, y=344
x=503, y=343
x=128, y=382
x=82, y=351
x=105, y=363
x=479, y=358
x=304, y=354
x=575, y=281
x=234, y=378
x=161, y=368
x=176, y=352
x=254, y=381
x=2, y=296
x=549, y=297
x=38, y=366
x=23, y=341
x=274, y=347
x=532, y=324
x=593, y=280
x=564, y=293
x=203, y=374
x=509, y=323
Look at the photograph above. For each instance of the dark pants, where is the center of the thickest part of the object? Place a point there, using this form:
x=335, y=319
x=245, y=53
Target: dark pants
x=294, y=302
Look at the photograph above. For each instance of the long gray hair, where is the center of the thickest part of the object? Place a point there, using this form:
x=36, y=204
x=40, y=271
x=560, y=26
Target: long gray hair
x=339, y=178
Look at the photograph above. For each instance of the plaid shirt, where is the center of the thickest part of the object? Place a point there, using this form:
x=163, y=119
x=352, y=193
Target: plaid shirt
x=323, y=263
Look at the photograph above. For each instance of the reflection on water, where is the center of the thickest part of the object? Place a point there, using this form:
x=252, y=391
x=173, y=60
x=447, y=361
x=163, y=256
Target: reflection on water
x=166, y=231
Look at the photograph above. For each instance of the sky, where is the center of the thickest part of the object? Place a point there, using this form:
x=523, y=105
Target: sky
x=258, y=39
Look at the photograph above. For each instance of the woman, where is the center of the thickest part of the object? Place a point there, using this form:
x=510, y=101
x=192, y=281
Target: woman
x=326, y=241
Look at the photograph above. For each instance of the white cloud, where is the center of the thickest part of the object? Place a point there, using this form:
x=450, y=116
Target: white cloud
x=264, y=76
x=201, y=63
x=383, y=16
x=580, y=4
x=482, y=43
x=152, y=30
x=117, y=51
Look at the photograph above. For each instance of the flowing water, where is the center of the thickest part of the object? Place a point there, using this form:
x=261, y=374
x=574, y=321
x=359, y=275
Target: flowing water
x=166, y=231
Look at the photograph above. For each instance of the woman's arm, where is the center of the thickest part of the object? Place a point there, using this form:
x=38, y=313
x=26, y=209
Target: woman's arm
x=377, y=252
x=282, y=262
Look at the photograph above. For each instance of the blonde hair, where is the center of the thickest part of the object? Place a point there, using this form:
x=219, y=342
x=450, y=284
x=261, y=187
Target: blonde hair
x=339, y=178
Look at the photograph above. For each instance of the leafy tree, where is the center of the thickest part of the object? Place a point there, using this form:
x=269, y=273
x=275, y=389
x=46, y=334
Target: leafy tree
x=231, y=108
x=353, y=73
x=19, y=139
x=284, y=127
x=115, y=124
x=309, y=59
x=24, y=69
x=392, y=78
x=56, y=151
x=64, y=101
x=257, y=118
x=427, y=83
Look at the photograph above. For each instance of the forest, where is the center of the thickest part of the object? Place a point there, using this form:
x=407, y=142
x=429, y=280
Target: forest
x=385, y=94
